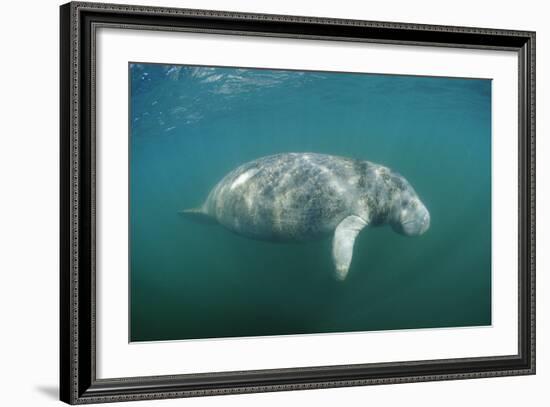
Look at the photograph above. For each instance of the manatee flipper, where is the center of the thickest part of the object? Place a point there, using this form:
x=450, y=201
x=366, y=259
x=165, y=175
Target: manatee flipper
x=342, y=243
x=197, y=214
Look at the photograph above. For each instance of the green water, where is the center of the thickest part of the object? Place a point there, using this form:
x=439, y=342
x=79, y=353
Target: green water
x=191, y=125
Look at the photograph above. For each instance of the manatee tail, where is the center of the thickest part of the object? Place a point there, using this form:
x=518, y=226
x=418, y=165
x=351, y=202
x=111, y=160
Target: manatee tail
x=198, y=215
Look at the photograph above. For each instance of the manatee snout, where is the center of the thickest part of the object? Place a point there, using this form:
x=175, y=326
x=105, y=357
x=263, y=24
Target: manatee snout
x=422, y=224
x=414, y=219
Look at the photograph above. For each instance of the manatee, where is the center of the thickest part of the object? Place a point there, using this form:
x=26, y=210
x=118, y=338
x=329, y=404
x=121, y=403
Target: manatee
x=304, y=196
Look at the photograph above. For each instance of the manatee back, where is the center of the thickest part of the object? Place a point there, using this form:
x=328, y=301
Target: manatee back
x=294, y=196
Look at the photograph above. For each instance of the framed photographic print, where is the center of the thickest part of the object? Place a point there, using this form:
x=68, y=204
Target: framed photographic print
x=257, y=203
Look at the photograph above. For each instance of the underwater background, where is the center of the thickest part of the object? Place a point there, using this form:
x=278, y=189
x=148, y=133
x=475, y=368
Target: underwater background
x=191, y=125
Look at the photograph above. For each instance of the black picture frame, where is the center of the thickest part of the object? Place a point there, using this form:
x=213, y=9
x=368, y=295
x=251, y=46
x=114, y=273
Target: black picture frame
x=78, y=382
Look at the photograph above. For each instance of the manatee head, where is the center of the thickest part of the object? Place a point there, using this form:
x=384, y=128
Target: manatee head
x=410, y=217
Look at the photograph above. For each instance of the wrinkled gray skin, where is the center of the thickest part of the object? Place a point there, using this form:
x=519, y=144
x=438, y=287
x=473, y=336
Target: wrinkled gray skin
x=303, y=196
